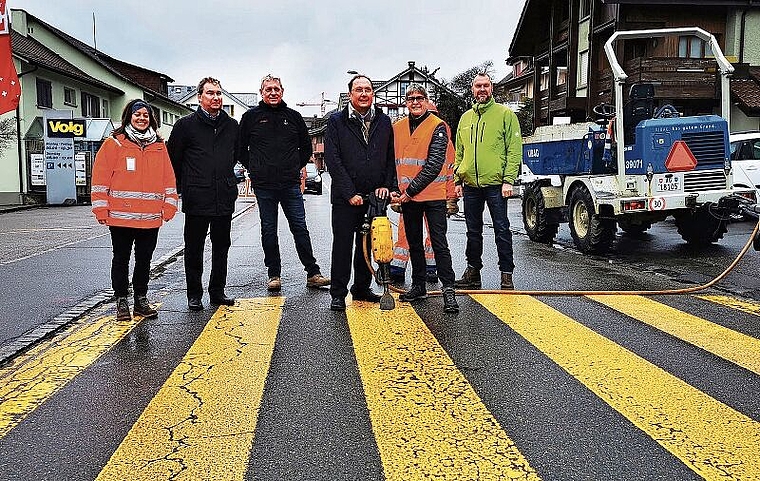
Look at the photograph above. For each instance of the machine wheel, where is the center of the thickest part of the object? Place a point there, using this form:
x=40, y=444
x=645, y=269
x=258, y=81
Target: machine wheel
x=634, y=229
x=590, y=233
x=535, y=216
x=701, y=227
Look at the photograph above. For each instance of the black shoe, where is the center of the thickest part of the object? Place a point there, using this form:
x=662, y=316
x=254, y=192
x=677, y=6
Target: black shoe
x=222, y=300
x=450, y=300
x=122, y=309
x=367, y=296
x=338, y=304
x=414, y=294
x=142, y=308
x=194, y=304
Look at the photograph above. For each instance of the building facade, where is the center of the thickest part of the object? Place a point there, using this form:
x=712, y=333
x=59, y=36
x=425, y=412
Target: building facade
x=558, y=58
x=60, y=73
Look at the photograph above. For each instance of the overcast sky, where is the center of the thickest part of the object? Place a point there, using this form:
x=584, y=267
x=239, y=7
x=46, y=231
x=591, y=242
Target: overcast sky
x=310, y=44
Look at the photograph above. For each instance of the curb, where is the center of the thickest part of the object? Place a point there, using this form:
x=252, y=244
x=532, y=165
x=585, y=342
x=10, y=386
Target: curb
x=27, y=340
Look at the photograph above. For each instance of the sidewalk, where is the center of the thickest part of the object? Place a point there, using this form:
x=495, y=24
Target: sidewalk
x=57, y=260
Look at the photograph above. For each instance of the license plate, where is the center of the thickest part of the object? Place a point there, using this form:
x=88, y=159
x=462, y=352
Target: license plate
x=668, y=184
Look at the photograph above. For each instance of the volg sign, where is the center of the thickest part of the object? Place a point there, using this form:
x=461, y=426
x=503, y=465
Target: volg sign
x=65, y=128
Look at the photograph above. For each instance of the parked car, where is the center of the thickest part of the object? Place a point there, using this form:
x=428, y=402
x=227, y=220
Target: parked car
x=313, y=180
x=239, y=172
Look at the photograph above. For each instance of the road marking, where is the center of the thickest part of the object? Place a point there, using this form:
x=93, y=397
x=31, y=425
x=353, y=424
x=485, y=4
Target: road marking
x=201, y=423
x=33, y=377
x=734, y=303
x=732, y=346
x=715, y=441
x=428, y=421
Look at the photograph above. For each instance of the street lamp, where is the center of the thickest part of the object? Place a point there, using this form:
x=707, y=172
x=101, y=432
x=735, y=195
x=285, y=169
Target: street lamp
x=352, y=72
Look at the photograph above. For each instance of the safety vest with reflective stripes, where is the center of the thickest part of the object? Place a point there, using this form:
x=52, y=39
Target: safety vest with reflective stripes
x=132, y=186
x=401, y=248
x=411, y=154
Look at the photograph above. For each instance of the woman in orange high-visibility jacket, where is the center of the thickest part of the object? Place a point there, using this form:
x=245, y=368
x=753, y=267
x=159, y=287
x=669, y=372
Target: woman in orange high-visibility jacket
x=133, y=192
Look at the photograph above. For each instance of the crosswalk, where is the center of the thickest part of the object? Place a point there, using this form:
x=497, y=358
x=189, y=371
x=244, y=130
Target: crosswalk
x=513, y=388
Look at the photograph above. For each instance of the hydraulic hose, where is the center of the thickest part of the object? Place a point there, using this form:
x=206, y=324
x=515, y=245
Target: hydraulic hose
x=686, y=290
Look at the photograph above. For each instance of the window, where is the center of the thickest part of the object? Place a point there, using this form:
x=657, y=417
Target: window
x=106, y=109
x=157, y=115
x=69, y=96
x=583, y=69
x=230, y=109
x=561, y=75
x=44, y=93
x=544, y=78
x=693, y=47
x=90, y=105
x=585, y=8
x=402, y=86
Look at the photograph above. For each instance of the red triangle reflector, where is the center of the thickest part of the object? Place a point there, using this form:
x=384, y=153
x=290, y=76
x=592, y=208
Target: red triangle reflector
x=680, y=158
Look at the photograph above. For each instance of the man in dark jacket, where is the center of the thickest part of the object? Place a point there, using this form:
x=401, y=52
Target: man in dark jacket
x=359, y=156
x=276, y=145
x=202, y=150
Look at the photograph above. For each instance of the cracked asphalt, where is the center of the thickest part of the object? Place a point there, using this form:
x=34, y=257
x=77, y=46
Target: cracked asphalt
x=278, y=387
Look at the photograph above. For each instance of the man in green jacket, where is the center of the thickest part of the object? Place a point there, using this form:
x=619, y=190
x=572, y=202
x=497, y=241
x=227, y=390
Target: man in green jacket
x=488, y=157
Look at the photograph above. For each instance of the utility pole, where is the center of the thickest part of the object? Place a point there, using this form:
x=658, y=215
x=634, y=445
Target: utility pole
x=321, y=104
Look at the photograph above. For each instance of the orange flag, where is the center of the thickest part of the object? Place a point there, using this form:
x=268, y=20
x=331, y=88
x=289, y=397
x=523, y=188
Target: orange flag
x=10, y=88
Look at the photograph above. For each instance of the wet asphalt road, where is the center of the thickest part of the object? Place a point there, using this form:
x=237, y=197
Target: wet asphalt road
x=313, y=421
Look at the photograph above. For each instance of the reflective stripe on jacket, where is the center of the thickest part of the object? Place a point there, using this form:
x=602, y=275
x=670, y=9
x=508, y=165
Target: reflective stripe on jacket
x=412, y=154
x=132, y=186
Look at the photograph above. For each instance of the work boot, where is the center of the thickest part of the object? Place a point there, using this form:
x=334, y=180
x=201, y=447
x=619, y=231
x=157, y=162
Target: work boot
x=506, y=281
x=142, y=308
x=274, y=283
x=450, y=300
x=431, y=276
x=122, y=309
x=470, y=279
x=414, y=294
x=317, y=280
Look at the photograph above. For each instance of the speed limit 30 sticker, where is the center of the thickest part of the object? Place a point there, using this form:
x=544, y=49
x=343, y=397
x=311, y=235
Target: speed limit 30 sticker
x=657, y=203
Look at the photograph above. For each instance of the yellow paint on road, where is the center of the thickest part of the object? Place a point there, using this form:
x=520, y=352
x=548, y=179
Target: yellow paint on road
x=428, y=421
x=733, y=346
x=734, y=303
x=34, y=376
x=200, y=425
x=714, y=440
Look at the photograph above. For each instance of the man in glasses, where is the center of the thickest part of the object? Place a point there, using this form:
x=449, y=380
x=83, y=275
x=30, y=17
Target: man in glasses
x=275, y=143
x=359, y=157
x=488, y=157
x=202, y=150
x=421, y=143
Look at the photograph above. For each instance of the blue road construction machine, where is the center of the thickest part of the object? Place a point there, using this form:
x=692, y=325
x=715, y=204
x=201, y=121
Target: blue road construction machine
x=634, y=169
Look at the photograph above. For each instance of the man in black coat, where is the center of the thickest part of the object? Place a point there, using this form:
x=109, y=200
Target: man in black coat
x=360, y=158
x=202, y=150
x=276, y=145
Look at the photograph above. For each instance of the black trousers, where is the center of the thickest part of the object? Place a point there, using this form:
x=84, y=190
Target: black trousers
x=435, y=211
x=196, y=228
x=346, y=222
x=122, y=240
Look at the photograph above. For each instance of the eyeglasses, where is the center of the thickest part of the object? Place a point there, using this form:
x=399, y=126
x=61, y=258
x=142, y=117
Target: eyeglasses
x=359, y=90
x=418, y=98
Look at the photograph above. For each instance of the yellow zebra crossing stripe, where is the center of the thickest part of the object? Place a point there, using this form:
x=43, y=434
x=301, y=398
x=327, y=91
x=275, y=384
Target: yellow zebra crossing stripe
x=428, y=421
x=734, y=303
x=36, y=375
x=201, y=423
x=712, y=439
x=733, y=346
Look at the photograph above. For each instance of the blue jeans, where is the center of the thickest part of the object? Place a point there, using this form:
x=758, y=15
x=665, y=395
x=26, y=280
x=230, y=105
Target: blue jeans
x=475, y=200
x=291, y=200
